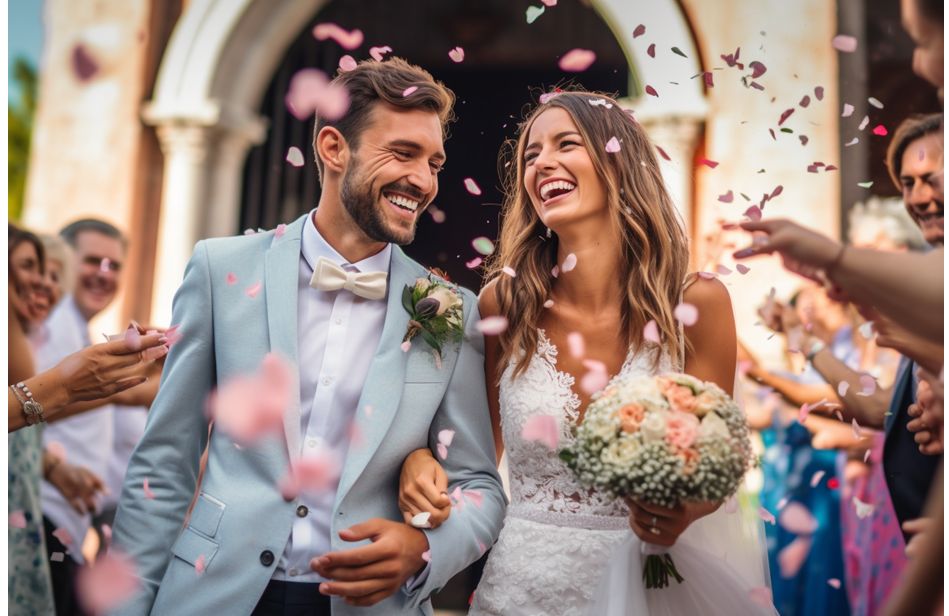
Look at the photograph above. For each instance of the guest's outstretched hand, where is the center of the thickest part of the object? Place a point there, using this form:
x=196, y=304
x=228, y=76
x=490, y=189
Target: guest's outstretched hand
x=101, y=370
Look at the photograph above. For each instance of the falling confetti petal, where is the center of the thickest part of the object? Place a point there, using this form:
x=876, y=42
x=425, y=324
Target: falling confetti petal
x=533, y=12
x=651, y=50
x=766, y=515
x=868, y=385
x=64, y=537
x=251, y=407
x=857, y=432
x=678, y=52
x=577, y=60
x=543, y=429
x=758, y=69
x=507, y=269
x=457, y=54
x=555, y=271
x=639, y=31
x=409, y=91
x=782, y=503
x=311, y=91
x=347, y=63
x=816, y=477
x=472, y=187
x=200, y=564
x=483, y=245
x=651, y=91
x=147, y=491
x=708, y=275
x=295, y=156
x=834, y=583
x=864, y=184
x=311, y=473
x=575, y=344
x=727, y=197
x=848, y=110
x=784, y=116
x=57, y=557
x=723, y=270
x=549, y=303
x=880, y=130
x=805, y=101
x=492, y=326
x=651, y=332
x=569, y=263
x=253, y=290
x=346, y=39
x=708, y=79
x=17, y=519
x=378, y=53
x=445, y=437
x=864, y=122
x=803, y=412
x=819, y=93
x=844, y=43
x=421, y=520
x=594, y=380
x=866, y=455
x=866, y=330
x=853, y=141
x=549, y=2
x=613, y=146
x=437, y=215
x=687, y=314
x=663, y=153
x=474, y=263
x=792, y=556
x=231, y=279
x=876, y=103
x=742, y=268
x=842, y=388
x=405, y=346
x=107, y=584
x=863, y=509
x=427, y=556
x=133, y=339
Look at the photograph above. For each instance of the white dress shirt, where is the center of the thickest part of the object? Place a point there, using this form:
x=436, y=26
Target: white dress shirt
x=338, y=334
x=86, y=438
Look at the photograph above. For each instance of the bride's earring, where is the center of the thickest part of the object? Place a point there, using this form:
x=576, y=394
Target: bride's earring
x=548, y=232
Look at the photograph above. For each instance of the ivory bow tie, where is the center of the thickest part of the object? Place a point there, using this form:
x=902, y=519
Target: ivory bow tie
x=327, y=276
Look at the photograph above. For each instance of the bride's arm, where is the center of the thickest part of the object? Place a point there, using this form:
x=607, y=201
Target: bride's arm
x=488, y=306
x=712, y=348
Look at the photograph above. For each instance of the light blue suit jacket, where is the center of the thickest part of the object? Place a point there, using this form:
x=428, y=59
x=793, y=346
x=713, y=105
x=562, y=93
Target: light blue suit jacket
x=240, y=515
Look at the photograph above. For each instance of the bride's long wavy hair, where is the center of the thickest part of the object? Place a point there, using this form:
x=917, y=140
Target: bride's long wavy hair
x=655, y=250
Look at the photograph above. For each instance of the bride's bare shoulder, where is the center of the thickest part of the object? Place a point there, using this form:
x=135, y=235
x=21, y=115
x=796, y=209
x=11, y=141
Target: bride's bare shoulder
x=704, y=292
x=488, y=304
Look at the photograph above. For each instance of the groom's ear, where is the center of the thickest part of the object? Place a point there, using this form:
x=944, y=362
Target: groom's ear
x=333, y=149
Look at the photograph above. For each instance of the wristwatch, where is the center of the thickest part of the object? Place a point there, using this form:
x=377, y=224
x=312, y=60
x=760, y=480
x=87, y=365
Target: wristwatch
x=32, y=410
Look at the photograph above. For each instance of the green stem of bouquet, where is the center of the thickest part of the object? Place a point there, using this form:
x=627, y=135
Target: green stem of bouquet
x=657, y=569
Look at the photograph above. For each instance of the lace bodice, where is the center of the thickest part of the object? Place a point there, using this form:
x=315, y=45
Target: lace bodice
x=540, y=481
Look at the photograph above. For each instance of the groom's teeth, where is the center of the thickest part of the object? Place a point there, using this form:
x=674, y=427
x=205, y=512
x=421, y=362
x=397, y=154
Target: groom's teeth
x=563, y=185
x=403, y=202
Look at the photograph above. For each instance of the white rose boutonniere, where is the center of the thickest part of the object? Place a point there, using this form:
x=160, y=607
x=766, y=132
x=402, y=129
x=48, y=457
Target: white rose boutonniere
x=435, y=312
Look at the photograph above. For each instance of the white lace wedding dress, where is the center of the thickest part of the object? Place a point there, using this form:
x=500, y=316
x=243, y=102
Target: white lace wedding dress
x=558, y=536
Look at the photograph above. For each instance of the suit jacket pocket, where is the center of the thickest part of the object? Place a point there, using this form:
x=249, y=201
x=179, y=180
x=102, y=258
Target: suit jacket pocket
x=191, y=546
x=206, y=516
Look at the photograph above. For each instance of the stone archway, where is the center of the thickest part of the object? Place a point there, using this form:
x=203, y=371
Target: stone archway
x=217, y=66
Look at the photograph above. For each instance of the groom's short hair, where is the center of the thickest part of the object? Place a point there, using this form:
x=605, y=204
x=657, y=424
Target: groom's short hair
x=388, y=81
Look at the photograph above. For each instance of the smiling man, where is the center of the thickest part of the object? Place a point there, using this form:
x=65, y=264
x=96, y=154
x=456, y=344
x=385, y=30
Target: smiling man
x=324, y=293
x=915, y=161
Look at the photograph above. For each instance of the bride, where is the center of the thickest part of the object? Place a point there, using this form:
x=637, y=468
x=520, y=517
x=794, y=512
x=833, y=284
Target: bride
x=598, y=252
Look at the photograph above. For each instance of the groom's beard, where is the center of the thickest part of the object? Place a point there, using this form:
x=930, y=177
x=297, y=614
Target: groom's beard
x=363, y=207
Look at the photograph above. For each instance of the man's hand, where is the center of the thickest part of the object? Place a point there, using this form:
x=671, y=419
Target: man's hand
x=920, y=529
x=368, y=574
x=927, y=415
x=78, y=485
x=662, y=526
x=423, y=487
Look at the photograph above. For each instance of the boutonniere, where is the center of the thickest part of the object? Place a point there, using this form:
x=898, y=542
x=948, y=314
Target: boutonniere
x=435, y=313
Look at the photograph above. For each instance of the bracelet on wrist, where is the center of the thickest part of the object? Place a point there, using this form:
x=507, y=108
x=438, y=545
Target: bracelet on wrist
x=32, y=410
x=815, y=347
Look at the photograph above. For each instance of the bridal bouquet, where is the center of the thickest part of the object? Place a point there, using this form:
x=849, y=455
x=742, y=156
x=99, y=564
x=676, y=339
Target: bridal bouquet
x=661, y=440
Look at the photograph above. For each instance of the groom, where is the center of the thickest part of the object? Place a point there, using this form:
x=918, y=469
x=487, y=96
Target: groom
x=325, y=294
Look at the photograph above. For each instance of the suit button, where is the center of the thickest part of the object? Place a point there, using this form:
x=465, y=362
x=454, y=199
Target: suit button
x=266, y=558
x=302, y=511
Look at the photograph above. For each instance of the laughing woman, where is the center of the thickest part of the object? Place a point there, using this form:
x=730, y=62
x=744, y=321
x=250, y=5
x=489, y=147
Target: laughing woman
x=599, y=250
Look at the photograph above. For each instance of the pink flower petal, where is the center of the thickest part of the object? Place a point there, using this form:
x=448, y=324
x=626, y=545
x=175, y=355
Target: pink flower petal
x=864, y=510
x=405, y=346
x=816, y=477
x=766, y=515
x=848, y=110
x=805, y=101
x=753, y=213
x=555, y=271
x=651, y=91
x=855, y=427
x=543, y=429
x=483, y=245
x=686, y=313
x=639, y=31
x=549, y=2
x=200, y=564
x=474, y=263
x=295, y=156
x=819, y=93
x=834, y=583
x=569, y=262
x=651, y=332
x=17, y=519
x=613, y=146
x=173, y=335
x=727, y=197
x=742, y=268
x=409, y=91
x=253, y=290
x=475, y=497
x=378, y=53
x=231, y=278
x=722, y=270
x=844, y=43
x=785, y=115
x=280, y=230
x=782, y=503
x=758, y=69
x=868, y=385
x=797, y=519
x=842, y=388
x=492, y=326
x=663, y=153
x=472, y=187
x=803, y=412
x=651, y=50
x=107, y=584
x=577, y=60
x=457, y=54
x=251, y=407
x=792, y=556
x=509, y=271
x=64, y=537
x=575, y=344
x=709, y=79
x=427, y=556
x=761, y=595
x=708, y=163
x=311, y=91
x=347, y=63
x=345, y=38
x=594, y=381
x=147, y=491
x=442, y=451
x=549, y=303
x=445, y=437
x=880, y=130
x=315, y=472
x=133, y=339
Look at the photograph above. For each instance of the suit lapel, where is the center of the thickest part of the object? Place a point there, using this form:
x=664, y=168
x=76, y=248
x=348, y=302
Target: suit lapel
x=282, y=266
x=382, y=391
x=904, y=380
